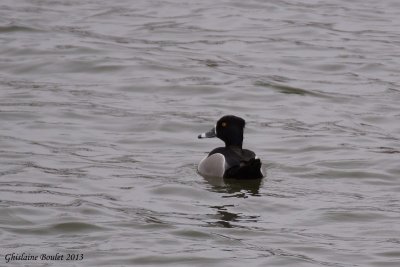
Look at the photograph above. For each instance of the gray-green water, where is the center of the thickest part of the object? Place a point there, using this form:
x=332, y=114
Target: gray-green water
x=101, y=103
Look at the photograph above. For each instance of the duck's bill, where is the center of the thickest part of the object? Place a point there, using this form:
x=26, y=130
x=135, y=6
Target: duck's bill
x=209, y=134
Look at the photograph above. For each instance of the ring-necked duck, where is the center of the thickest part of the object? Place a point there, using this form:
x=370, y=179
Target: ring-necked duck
x=231, y=161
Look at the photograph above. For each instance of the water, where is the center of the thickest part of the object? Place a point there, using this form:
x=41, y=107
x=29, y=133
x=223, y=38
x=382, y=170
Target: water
x=102, y=101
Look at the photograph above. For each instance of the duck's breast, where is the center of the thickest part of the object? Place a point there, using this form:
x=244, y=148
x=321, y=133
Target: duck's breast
x=213, y=165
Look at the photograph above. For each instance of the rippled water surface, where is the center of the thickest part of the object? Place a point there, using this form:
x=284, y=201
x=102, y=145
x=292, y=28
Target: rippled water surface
x=101, y=103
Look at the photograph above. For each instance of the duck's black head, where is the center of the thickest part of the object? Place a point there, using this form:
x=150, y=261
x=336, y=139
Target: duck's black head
x=229, y=129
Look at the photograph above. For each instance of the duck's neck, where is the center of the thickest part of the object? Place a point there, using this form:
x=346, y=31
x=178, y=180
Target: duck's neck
x=235, y=140
x=234, y=147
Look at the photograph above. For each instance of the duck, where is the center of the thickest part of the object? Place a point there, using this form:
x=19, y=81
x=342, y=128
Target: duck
x=231, y=161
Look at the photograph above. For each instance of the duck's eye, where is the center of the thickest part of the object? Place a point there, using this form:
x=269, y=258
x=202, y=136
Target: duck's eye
x=224, y=124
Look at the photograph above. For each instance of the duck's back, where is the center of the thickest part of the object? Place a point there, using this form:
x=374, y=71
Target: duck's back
x=230, y=162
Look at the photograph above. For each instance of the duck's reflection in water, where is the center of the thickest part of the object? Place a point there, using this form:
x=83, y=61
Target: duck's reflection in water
x=230, y=188
x=234, y=188
x=229, y=219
